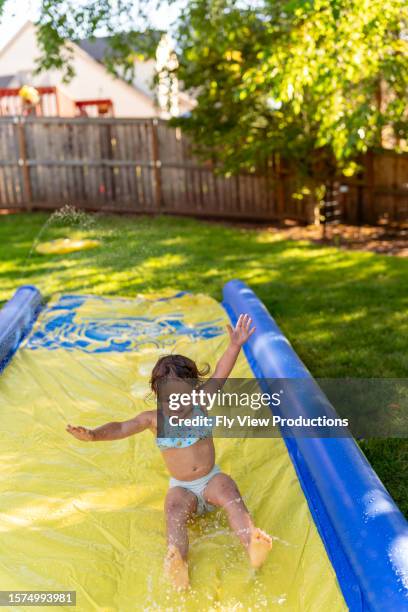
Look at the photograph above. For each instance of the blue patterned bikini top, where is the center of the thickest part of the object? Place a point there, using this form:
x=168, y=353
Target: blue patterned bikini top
x=187, y=435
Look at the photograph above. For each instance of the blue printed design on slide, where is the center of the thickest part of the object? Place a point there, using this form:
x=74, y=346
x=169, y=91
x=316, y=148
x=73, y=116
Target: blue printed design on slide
x=58, y=328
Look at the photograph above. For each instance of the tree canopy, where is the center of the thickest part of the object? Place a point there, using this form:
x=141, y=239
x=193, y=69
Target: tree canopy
x=317, y=81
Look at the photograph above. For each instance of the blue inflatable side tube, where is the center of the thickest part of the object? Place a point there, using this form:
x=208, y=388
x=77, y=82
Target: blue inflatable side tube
x=364, y=532
x=16, y=319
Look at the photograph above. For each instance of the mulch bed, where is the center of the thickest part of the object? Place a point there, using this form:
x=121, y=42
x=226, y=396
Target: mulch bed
x=380, y=239
x=384, y=239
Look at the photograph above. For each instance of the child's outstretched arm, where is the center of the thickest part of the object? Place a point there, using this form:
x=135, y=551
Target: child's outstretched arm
x=115, y=430
x=238, y=336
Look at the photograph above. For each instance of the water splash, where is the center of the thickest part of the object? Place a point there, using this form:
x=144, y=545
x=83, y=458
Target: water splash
x=66, y=215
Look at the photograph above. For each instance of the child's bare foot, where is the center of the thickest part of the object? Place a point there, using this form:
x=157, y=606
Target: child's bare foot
x=259, y=547
x=176, y=568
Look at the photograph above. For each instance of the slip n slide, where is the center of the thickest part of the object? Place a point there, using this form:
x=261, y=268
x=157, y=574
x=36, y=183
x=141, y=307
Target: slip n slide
x=89, y=518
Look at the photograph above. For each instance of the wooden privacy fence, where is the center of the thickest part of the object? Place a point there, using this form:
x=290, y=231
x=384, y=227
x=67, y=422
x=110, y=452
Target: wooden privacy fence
x=127, y=165
x=144, y=166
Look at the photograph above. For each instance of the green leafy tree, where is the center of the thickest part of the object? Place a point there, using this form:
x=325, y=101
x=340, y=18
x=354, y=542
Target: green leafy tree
x=315, y=82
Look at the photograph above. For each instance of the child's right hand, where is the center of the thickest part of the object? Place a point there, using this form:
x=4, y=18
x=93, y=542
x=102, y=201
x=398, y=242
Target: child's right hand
x=81, y=433
x=242, y=330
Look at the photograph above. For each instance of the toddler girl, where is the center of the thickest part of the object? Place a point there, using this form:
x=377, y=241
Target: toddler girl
x=197, y=484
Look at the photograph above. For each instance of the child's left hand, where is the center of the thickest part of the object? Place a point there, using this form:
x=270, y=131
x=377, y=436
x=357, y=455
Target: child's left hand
x=81, y=433
x=242, y=330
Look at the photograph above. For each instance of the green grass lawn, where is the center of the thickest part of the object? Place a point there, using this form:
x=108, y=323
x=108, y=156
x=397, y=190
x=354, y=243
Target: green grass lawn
x=346, y=313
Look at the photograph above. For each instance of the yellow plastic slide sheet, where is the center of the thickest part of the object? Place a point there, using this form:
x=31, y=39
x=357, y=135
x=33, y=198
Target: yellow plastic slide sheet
x=89, y=516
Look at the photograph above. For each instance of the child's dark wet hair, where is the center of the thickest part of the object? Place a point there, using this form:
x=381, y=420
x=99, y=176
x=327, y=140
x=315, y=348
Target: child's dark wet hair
x=176, y=366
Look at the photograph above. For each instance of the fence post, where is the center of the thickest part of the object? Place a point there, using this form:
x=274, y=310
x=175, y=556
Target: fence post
x=157, y=164
x=22, y=162
x=280, y=188
x=369, y=178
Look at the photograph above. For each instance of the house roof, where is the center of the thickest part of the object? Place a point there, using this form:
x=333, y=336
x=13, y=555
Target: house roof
x=5, y=80
x=96, y=48
x=99, y=47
